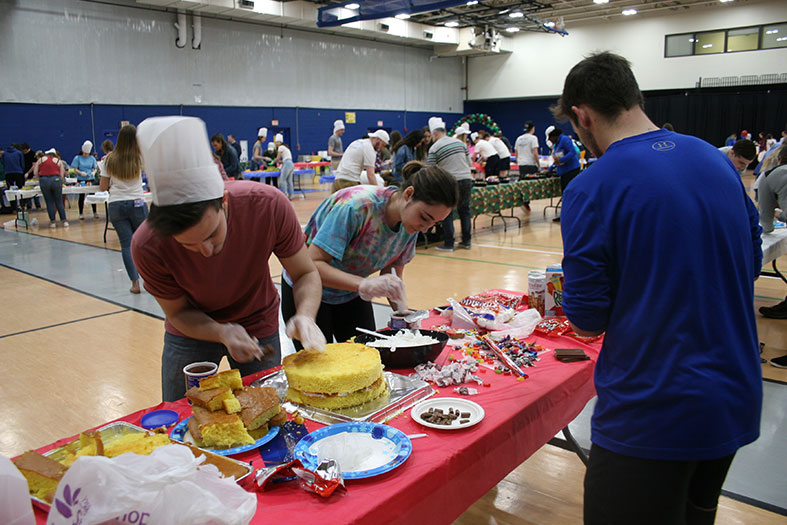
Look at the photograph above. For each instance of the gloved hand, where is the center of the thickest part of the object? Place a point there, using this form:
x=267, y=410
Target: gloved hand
x=386, y=285
x=304, y=329
x=241, y=346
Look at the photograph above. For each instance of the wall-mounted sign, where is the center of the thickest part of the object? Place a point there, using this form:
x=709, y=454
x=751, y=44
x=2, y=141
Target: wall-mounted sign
x=274, y=122
x=379, y=123
x=349, y=117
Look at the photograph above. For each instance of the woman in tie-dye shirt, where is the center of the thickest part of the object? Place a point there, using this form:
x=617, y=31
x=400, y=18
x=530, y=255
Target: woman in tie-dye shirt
x=361, y=230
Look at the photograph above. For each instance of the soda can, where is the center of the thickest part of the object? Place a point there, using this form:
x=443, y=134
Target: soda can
x=536, y=290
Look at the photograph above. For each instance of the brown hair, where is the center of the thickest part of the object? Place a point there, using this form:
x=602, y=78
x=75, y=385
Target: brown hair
x=125, y=161
x=107, y=146
x=431, y=184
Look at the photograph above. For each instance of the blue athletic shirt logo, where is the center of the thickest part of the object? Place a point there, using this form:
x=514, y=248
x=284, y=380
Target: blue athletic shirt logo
x=663, y=145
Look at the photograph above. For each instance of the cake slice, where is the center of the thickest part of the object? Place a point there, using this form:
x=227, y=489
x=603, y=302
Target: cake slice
x=228, y=378
x=220, y=429
x=259, y=432
x=278, y=420
x=213, y=399
x=196, y=435
x=231, y=406
x=258, y=405
x=42, y=474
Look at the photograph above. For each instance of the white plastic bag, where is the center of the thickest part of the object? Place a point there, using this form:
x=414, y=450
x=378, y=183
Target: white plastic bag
x=163, y=488
x=522, y=325
x=16, y=508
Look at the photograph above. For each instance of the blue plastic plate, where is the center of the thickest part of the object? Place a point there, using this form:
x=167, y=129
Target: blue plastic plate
x=181, y=433
x=395, y=447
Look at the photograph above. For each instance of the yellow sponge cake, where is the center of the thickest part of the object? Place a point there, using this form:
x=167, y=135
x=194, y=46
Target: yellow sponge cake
x=344, y=375
x=221, y=430
x=258, y=405
x=212, y=398
x=41, y=472
x=228, y=378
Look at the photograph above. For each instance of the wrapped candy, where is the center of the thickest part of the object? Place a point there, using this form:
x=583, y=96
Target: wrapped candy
x=324, y=480
x=454, y=373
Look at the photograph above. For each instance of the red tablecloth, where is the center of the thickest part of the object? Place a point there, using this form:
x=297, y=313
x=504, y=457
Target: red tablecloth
x=448, y=470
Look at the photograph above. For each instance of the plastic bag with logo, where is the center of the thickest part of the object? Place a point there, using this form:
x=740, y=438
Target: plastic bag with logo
x=15, y=505
x=164, y=487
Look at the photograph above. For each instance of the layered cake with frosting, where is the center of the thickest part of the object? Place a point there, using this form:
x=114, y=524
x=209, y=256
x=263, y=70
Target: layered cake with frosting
x=344, y=375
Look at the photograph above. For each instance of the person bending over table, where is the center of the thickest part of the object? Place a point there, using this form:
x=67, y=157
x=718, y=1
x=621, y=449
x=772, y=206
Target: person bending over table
x=228, y=156
x=85, y=167
x=361, y=230
x=678, y=378
x=122, y=176
x=284, y=155
x=51, y=173
x=773, y=195
x=358, y=159
x=203, y=254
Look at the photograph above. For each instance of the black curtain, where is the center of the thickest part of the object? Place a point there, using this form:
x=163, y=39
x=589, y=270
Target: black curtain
x=713, y=114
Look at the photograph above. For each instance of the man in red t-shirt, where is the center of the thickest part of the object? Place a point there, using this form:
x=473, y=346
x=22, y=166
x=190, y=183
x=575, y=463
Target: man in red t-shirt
x=203, y=254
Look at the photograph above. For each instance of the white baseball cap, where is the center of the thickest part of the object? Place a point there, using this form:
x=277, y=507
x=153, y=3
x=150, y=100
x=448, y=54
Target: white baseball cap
x=262, y=132
x=337, y=125
x=381, y=134
x=474, y=135
x=278, y=138
x=87, y=146
x=435, y=123
x=548, y=131
x=463, y=129
x=50, y=150
x=178, y=160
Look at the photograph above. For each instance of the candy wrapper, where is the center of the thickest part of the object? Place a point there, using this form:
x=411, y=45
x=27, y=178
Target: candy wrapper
x=488, y=315
x=324, y=480
x=454, y=373
x=466, y=391
x=553, y=327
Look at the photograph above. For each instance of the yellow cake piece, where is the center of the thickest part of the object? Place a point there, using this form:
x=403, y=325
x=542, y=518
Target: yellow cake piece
x=334, y=401
x=231, y=406
x=42, y=474
x=213, y=398
x=342, y=367
x=221, y=430
x=137, y=443
x=258, y=405
x=259, y=432
x=228, y=378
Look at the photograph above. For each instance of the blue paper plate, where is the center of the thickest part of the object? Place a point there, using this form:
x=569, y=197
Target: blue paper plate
x=181, y=429
x=398, y=444
x=158, y=419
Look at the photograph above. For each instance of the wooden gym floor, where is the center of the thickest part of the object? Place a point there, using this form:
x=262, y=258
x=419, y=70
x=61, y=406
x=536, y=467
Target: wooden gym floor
x=74, y=361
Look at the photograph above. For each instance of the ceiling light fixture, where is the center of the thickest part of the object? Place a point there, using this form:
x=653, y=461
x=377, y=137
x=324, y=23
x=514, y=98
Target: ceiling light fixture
x=600, y=1
x=771, y=31
x=706, y=46
x=472, y=2
x=781, y=39
x=725, y=1
x=512, y=29
x=402, y=16
x=629, y=12
x=452, y=24
x=352, y=6
x=516, y=14
x=692, y=40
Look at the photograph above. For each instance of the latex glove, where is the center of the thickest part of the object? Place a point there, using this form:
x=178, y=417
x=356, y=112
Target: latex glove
x=241, y=346
x=386, y=285
x=304, y=329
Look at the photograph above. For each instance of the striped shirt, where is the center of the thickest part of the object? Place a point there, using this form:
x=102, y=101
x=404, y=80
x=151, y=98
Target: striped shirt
x=451, y=155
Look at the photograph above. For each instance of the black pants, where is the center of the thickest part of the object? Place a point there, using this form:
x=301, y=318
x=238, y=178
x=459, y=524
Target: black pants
x=18, y=180
x=82, y=204
x=335, y=320
x=568, y=177
x=492, y=166
x=624, y=490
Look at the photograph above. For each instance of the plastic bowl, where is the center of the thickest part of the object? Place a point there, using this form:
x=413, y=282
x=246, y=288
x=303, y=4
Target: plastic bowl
x=409, y=356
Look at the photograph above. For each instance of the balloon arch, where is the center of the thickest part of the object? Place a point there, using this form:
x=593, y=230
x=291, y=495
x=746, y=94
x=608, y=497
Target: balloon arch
x=478, y=118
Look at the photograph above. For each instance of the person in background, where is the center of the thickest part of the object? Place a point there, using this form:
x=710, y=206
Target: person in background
x=122, y=176
x=203, y=254
x=740, y=154
x=359, y=160
x=85, y=166
x=504, y=139
x=30, y=158
x=773, y=196
x=450, y=154
x=503, y=154
x=51, y=174
x=395, y=138
x=762, y=143
x=361, y=230
x=335, y=147
x=284, y=156
x=422, y=150
x=227, y=154
x=404, y=152
x=484, y=151
x=107, y=148
x=769, y=141
x=235, y=144
x=14, y=166
x=526, y=150
x=731, y=139
x=565, y=158
x=677, y=394
x=257, y=159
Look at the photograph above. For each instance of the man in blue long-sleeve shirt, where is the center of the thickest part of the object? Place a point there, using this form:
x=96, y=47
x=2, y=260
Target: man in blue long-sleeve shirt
x=661, y=250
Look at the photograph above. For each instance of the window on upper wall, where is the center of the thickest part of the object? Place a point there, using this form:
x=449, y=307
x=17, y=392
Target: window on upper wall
x=746, y=39
x=732, y=40
x=774, y=36
x=709, y=43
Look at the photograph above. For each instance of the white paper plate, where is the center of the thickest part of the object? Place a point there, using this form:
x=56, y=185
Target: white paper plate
x=444, y=403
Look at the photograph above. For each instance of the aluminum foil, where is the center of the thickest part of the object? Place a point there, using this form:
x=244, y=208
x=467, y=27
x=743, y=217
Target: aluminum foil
x=403, y=393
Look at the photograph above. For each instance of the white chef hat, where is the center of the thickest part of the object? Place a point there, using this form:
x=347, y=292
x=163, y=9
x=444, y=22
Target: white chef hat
x=381, y=134
x=337, y=125
x=473, y=136
x=463, y=129
x=262, y=132
x=436, y=123
x=548, y=131
x=178, y=160
x=50, y=151
x=278, y=138
x=87, y=146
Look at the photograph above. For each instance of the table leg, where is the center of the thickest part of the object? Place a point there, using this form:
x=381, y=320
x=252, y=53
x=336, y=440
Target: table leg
x=106, y=223
x=777, y=272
